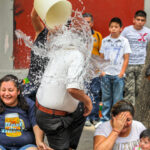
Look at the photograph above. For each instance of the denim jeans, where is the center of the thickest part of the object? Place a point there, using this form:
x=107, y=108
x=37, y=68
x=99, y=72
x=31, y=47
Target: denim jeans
x=112, y=91
x=95, y=95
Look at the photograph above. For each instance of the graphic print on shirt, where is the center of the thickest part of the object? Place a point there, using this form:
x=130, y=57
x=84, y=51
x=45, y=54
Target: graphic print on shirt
x=13, y=125
x=112, y=53
x=138, y=45
x=142, y=37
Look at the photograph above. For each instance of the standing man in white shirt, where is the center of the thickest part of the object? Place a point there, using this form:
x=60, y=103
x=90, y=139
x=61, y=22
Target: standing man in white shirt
x=138, y=36
x=61, y=102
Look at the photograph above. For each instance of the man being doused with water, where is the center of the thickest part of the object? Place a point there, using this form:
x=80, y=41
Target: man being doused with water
x=61, y=102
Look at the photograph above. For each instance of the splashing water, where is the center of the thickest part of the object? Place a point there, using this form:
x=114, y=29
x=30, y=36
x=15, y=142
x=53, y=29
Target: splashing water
x=78, y=37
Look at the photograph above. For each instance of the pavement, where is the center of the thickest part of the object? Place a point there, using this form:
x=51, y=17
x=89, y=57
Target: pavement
x=86, y=140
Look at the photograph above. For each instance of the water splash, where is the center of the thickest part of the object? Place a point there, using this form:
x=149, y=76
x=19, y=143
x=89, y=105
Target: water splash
x=75, y=36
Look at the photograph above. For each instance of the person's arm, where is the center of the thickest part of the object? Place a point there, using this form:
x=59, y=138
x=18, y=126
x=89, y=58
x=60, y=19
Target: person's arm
x=36, y=22
x=103, y=143
x=81, y=96
x=100, y=41
x=107, y=143
x=39, y=137
x=125, y=65
x=101, y=55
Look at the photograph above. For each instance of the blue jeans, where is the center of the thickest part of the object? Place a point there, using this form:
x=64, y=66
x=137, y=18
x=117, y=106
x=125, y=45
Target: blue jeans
x=95, y=90
x=15, y=148
x=112, y=91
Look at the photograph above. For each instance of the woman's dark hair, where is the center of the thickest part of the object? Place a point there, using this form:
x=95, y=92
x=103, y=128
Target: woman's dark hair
x=122, y=106
x=21, y=100
x=145, y=134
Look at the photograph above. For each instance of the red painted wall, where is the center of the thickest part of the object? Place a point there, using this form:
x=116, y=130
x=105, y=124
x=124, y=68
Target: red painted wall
x=22, y=21
x=102, y=10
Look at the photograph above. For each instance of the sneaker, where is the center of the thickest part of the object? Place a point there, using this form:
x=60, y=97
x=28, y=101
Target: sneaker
x=88, y=123
x=100, y=122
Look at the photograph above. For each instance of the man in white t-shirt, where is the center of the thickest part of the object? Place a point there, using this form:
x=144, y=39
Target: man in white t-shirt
x=60, y=114
x=61, y=102
x=138, y=36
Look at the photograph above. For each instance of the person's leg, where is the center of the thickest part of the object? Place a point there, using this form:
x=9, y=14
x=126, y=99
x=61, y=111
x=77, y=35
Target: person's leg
x=138, y=78
x=95, y=89
x=130, y=84
x=106, y=88
x=118, y=87
x=29, y=147
x=56, y=129
x=76, y=126
x=2, y=148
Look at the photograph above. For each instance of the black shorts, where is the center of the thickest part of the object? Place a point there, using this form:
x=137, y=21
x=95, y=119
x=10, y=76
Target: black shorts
x=63, y=132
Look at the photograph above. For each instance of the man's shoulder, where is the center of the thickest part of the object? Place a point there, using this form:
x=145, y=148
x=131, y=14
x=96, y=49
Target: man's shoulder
x=130, y=27
x=77, y=53
x=97, y=32
x=106, y=38
x=146, y=29
x=123, y=39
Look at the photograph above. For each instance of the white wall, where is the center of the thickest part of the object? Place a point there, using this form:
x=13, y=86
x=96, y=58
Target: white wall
x=6, y=34
x=6, y=40
x=147, y=9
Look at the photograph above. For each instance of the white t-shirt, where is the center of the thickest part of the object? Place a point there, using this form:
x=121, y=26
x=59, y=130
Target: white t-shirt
x=64, y=71
x=122, y=143
x=114, y=50
x=138, y=40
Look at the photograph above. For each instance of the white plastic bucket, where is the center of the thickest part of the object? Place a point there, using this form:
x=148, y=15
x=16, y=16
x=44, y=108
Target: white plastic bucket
x=53, y=12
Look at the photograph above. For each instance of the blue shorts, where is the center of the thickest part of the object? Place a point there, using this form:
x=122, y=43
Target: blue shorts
x=17, y=148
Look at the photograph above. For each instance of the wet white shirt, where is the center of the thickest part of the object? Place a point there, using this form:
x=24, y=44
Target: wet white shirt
x=64, y=71
x=114, y=50
x=122, y=143
x=138, y=40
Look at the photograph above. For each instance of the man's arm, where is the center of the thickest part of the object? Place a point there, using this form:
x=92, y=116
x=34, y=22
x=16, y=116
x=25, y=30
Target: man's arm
x=124, y=66
x=101, y=55
x=36, y=22
x=81, y=96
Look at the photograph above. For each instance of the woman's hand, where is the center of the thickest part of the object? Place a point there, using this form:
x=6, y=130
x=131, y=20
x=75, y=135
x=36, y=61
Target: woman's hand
x=119, y=121
x=43, y=146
